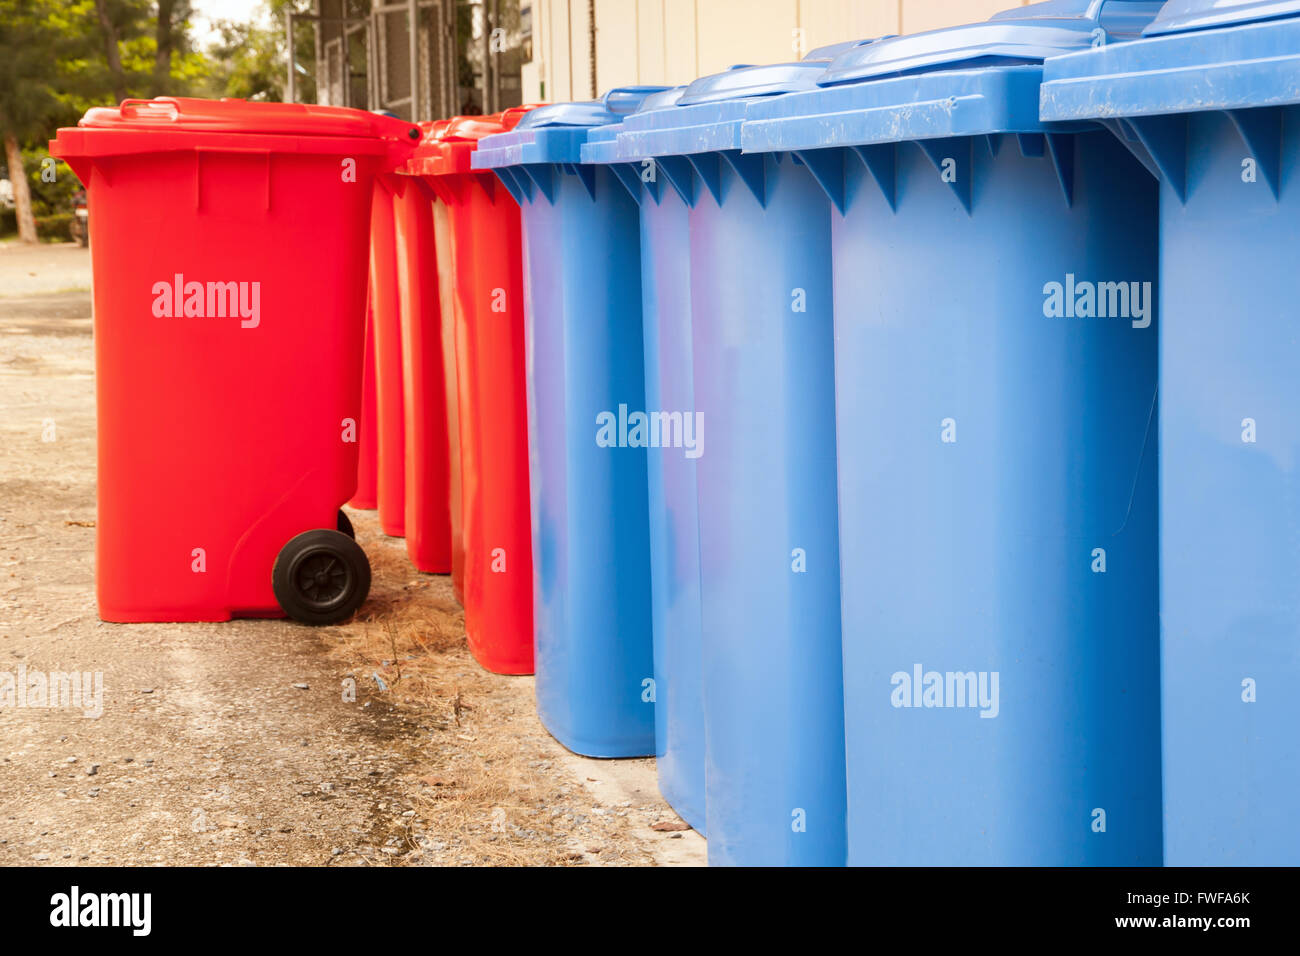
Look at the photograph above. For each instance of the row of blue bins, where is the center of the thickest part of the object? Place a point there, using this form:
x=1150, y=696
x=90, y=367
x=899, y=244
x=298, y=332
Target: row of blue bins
x=844, y=420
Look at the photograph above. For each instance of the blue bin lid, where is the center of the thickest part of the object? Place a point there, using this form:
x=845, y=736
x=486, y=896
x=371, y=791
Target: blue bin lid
x=557, y=132
x=709, y=111
x=976, y=79
x=623, y=100
x=1198, y=55
x=602, y=142
x=1237, y=57
x=662, y=99
x=831, y=50
x=1021, y=35
x=582, y=113
x=744, y=81
x=1179, y=16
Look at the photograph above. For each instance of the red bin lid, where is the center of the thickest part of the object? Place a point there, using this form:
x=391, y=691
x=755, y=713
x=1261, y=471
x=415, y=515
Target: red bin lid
x=240, y=116
x=181, y=123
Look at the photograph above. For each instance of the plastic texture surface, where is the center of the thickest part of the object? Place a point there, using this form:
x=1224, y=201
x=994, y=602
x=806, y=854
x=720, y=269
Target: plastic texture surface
x=1020, y=35
x=386, y=308
x=487, y=299
x=972, y=80
x=740, y=82
x=1000, y=627
x=760, y=285
x=1178, y=16
x=451, y=397
x=1013, y=442
x=1214, y=113
x=554, y=134
x=673, y=500
x=595, y=689
x=707, y=114
x=760, y=350
x=674, y=507
x=367, y=448
x=1241, y=69
x=239, y=117
x=424, y=390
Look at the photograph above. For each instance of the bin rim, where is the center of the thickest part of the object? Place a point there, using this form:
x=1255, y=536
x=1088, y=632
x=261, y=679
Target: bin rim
x=1020, y=35
x=707, y=113
x=556, y=134
x=832, y=50
x=623, y=100
x=768, y=79
x=1180, y=16
x=233, y=115
x=175, y=124
x=72, y=143
x=601, y=147
x=976, y=79
x=1244, y=66
x=471, y=129
x=590, y=114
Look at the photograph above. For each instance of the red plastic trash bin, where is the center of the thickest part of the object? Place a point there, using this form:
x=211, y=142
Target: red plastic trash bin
x=365, y=498
x=229, y=292
x=488, y=304
x=428, y=511
x=386, y=308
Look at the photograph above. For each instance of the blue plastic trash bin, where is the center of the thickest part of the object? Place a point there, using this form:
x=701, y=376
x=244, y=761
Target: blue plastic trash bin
x=674, y=516
x=585, y=379
x=996, y=447
x=761, y=359
x=1210, y=103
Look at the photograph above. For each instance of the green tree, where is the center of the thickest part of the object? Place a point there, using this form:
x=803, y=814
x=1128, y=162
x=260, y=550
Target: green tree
x=59, y=58
x=249, y=60
x=146, y=46
x=122, y=23
x=165, y=37
x=30, y=104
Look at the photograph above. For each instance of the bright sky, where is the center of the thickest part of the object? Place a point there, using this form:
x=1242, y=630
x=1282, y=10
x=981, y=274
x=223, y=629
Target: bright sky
x=205, y=11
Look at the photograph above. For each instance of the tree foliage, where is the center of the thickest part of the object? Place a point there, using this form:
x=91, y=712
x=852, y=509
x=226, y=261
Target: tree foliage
x=34, y=39
x=59, y=58
x=249, y=59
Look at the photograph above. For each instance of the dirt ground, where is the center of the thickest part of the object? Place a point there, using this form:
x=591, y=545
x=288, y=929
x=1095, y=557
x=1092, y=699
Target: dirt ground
x=234, y=744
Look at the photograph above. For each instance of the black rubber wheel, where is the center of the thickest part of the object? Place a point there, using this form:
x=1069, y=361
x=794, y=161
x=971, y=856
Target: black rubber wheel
x=321, y=577
x=345, y=525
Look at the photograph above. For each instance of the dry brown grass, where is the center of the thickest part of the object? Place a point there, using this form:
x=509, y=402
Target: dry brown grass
x=488, y=789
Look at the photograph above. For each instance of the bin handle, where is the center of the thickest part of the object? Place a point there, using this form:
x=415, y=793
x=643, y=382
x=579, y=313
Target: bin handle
x=150, y=109
x=623, y=100
x=515, y=113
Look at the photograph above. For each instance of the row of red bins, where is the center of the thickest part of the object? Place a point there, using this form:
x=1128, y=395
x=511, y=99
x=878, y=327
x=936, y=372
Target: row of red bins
x=443, y=435
x=230, y=242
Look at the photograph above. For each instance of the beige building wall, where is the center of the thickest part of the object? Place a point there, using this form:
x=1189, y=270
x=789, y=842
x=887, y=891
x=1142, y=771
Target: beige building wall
x=675, y=41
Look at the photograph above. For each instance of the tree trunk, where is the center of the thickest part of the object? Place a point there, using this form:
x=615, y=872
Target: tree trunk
x=111, y=49
x=22, y=195
x=162, y=64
